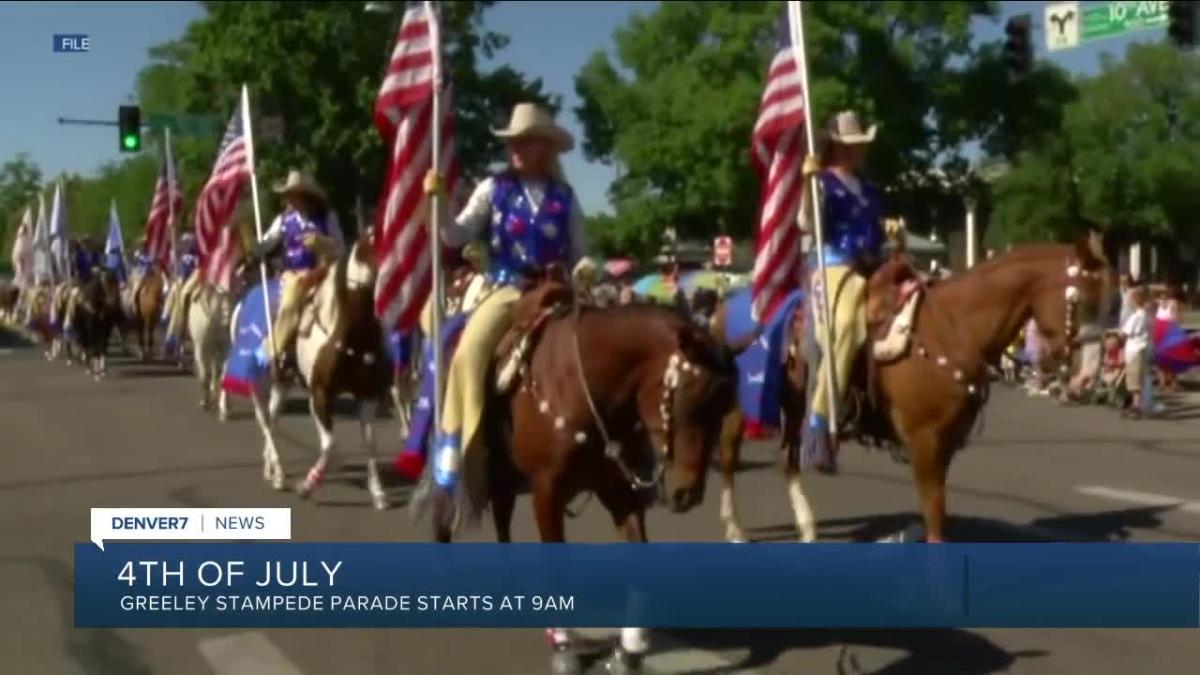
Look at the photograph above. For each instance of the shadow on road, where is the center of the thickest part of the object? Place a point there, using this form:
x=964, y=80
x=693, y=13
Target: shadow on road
x=926, y=651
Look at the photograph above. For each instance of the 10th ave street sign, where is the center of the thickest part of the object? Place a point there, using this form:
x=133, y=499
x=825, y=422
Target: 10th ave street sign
x=1066, y=23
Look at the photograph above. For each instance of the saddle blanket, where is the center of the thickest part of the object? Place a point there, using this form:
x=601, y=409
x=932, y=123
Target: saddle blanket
x=411, y=460
x=243, y=370
x=760, y=371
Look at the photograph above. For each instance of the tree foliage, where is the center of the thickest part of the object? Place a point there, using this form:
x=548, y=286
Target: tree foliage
x=1125, y=155
x=318, y=66
x=676, y=109
x=19, y=182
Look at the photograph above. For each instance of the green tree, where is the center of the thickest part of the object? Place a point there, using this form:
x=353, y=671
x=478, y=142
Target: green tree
x=319, y=66
x=677, y=109
x=1125, y=155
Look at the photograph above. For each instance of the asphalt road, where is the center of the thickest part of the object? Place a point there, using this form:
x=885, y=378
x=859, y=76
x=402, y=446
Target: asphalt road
x=1037, y=472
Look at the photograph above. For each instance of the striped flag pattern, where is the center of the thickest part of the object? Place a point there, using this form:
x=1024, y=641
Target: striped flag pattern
x=159, y=223
x=217, y=241
x=404, y=117
x=777, y=151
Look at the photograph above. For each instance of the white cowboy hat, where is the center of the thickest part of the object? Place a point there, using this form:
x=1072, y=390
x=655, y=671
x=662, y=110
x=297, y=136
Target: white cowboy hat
x=530, y=119
x=846, y=128
x=300, y=182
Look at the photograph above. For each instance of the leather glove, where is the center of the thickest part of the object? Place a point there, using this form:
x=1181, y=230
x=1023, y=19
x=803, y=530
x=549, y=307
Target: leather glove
x=433, y=183
x=811, y=166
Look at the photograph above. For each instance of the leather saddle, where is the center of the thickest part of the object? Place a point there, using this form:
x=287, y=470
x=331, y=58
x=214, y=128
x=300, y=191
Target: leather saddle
x=543, y=297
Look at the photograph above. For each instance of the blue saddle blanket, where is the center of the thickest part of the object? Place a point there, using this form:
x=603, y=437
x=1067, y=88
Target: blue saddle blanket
x=422, y=414
x=760, y=367
x=243, y=369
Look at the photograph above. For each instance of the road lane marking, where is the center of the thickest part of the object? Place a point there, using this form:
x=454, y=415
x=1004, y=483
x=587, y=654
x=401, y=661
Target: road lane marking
x=246, y=654
x=1143, y=498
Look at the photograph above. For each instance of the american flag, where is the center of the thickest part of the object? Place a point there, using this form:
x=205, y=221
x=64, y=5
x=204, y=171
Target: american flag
x=403, y=114
x=217, y=241
x=777, y=150
x=159, y=225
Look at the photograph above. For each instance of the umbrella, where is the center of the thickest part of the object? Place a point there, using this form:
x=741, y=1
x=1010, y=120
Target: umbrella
x=653, y=286
x=618, y=267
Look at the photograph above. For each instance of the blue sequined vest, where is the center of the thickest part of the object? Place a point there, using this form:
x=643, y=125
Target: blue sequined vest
x=852, y=224
x=522, y=240
x=296, y=227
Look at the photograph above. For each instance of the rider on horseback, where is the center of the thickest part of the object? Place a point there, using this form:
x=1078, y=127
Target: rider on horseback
x=186, y=267
x=310, y=236
x=530, y=218
x=86, y=257
x=852, y=217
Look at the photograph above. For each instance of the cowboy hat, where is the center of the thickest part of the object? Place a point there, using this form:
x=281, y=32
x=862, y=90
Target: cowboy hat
x=847, y=129
x=300, y=182
x=530, y=119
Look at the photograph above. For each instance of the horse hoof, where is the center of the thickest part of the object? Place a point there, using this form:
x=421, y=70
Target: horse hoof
x=222, y=416
x=565, y=662
x=303, y=489
x=736, y=536
x=623, y=663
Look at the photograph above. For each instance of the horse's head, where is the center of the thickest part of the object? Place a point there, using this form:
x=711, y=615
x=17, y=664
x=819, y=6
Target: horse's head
x=362, y=263
x=699, y=389
x=1071, y=300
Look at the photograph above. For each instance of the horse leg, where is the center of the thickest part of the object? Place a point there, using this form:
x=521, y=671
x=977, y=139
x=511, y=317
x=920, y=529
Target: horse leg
x=322, y=414
x=930, y=465
x=262, y=415
x=805, y=524
x=367, y=411
x=222, y=395
x=730, y=450
x=504, y=500
x=548, y=510
x=204, y=378
x=630, y=519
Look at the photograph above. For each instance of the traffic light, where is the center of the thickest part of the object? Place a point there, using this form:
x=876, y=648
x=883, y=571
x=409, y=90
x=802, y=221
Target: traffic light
x=1018, y=47
x=129, y=119
x=1181, y=23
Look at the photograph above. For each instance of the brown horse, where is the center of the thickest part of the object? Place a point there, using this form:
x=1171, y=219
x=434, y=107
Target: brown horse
x=929, y=396
x=612, y=402
x=147, y=311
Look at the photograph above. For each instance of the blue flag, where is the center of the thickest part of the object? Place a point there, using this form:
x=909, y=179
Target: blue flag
x=245, y=370
x=760, y=367
x=114, y=246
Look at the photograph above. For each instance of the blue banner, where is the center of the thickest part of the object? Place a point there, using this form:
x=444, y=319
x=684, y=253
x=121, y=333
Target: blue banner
x=291, y=585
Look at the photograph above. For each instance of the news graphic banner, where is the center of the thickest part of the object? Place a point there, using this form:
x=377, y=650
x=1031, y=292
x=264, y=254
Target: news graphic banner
x=141, y=524
x=394, y=585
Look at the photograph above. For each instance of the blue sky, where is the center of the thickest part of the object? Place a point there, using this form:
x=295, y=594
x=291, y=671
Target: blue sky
x=550, y=40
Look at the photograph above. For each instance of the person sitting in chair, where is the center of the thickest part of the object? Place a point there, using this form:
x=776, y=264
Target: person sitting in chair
x=852, y=218
x=309, y=236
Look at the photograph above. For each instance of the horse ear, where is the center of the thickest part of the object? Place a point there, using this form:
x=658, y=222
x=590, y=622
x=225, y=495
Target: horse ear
x=1090, y=249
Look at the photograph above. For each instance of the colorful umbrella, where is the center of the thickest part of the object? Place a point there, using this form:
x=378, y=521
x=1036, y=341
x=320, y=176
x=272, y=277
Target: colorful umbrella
x=618, y=267
x=1174, y=349
x=654, y=286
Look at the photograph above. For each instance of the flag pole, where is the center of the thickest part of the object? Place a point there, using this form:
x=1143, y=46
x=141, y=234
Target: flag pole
x=174, y=257
x=248, y=130
x=796, y=14
x=435, y=221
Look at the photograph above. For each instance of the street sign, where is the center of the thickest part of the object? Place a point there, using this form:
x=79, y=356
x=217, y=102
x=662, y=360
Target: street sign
x=1062, y=25
x=722, y=252
x=184, y=125
x=1115, y=18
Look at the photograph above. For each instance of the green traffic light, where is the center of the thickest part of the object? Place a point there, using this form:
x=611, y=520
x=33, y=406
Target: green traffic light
x=130, y=142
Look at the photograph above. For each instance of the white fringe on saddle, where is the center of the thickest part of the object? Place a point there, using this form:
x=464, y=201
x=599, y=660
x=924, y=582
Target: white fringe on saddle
x=899, y=334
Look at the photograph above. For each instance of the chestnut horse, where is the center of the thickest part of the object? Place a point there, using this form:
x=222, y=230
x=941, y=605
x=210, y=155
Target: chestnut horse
x=929, y=396
x=147, y=311
x=608, y=401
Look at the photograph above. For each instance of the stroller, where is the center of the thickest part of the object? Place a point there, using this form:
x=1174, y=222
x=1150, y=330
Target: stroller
x=1109, y=388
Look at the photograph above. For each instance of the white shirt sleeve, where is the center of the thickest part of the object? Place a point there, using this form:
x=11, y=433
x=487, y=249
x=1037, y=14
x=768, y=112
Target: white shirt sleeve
x=273, y=235
x=474, y=217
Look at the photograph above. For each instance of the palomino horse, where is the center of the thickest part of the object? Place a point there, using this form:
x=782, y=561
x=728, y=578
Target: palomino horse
x=606, y=401
x=340, y=350
x=928, y=396
x=147, y=311
x=208, y=321
x=97, y=314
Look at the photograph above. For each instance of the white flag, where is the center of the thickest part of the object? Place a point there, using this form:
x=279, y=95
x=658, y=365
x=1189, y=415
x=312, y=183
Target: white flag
x=22, y=251
x=60, y=251
x=43, y=265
